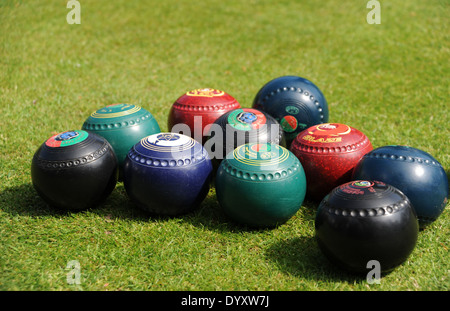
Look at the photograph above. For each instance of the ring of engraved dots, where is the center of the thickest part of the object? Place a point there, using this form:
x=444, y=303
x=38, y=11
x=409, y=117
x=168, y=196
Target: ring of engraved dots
x=149, y=161
x=74, y=162
x=378, y=155
x=371, y=212
x=216, y=107
x=284, y=173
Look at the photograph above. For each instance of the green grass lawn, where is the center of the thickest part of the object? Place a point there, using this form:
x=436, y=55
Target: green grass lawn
x=390, y=81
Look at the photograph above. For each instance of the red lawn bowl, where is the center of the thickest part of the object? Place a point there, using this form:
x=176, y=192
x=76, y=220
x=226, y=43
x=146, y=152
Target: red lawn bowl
x=198, y=109
x=328, y=153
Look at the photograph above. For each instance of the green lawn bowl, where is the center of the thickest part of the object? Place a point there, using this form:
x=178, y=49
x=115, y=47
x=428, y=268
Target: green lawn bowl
x=260, y=185
x=123, y=125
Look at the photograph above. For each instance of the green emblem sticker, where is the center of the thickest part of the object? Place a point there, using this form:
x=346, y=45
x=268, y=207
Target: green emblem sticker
x=292, y=109
x=255, y=154
x=246, y=119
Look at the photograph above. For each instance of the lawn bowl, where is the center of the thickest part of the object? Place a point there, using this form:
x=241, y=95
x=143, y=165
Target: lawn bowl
x=167, y=174
x=260, y=185
x=74, y=170
x=242, y=126
x=198, y=109
x=415, y=172
x=295, y=102
x=364, y=220
x=329, y=152
x=123, y=125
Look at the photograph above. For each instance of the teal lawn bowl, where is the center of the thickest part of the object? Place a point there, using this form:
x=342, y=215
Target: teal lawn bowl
x=122, y=125
x=260, y=185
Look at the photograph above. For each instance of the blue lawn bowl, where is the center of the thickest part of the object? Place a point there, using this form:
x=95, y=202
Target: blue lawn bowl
x=167, y=174
x=414, y=172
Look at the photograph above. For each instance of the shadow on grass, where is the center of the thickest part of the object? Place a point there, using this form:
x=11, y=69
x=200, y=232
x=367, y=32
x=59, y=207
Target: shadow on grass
x=302, y=258
x=299, y=256
x=211, y=216
x=23, y=200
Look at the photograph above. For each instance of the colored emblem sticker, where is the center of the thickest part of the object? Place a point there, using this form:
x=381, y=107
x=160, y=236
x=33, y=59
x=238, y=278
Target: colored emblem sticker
x=327, y=133
x=115, y=111
x=292, y=109
x=333, y=129
x=207, y=92
x=260, y=147
x=362, y=184
x=289, y=124
x=68, y=138
x=358, y=187
x=166, y=142
x=246, y=119
x=260, y=154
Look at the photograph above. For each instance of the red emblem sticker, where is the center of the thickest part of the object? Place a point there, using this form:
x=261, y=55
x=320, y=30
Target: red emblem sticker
x=332, y=129
x=289, y=123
